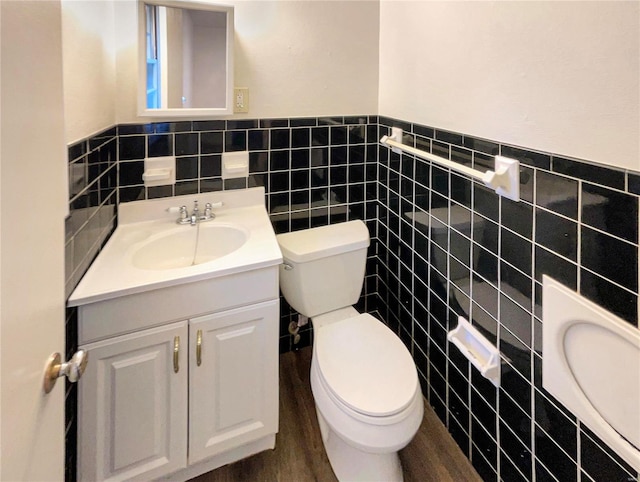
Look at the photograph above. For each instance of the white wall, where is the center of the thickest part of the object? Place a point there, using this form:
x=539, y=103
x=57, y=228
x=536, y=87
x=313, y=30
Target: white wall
x=555, y=76
x=209, y=66
x=308, y=58
x=187, y=60
x=298, y=58
x=89, y=67
x=173, y=88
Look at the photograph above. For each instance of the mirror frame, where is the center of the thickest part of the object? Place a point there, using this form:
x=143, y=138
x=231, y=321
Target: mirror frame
x=143, y=111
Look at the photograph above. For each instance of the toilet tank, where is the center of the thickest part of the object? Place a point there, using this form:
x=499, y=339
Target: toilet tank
x=323, y=267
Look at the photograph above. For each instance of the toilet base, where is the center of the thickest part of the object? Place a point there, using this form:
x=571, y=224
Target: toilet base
x=350, y=464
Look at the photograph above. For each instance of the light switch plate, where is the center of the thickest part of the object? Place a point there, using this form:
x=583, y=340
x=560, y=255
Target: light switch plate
x=241, y=99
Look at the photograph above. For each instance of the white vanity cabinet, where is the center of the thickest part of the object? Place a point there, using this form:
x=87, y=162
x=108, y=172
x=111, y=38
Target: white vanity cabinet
x=182, y=375
x=180, y=399
x=133, y=406
x=233, y=392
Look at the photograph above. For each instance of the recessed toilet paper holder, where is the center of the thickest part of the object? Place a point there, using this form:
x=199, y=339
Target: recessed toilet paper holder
x=480, y=352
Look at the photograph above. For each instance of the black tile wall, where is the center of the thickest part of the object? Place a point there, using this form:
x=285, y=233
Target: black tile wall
x=483, y=257
x=442, y=246
x=93, y=184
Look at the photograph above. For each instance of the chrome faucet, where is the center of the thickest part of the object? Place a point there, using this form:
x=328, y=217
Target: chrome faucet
x=195, y=216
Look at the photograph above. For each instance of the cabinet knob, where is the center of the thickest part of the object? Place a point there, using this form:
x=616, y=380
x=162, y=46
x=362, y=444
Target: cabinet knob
x=73, y=369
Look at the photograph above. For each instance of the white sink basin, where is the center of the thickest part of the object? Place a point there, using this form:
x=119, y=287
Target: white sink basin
x=188, y=246
x=148, y=250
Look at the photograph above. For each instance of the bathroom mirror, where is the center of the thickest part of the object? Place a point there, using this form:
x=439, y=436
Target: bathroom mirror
x=185, y=52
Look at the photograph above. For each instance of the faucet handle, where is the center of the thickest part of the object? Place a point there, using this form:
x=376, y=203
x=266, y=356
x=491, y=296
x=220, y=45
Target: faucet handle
x=175, y=209
x=207, y=210
x=184, y=214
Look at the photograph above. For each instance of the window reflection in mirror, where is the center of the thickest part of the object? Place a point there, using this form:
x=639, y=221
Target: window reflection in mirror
x=187, y=58
x=153, y=63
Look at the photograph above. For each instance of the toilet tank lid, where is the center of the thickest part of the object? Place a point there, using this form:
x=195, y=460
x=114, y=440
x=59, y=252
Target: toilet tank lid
x=323, y=241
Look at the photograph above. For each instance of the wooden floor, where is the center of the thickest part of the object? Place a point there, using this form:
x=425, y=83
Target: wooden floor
x=299, y=455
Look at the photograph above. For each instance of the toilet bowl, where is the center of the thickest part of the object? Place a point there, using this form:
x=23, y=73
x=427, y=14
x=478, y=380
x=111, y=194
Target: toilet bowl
x=364, y=381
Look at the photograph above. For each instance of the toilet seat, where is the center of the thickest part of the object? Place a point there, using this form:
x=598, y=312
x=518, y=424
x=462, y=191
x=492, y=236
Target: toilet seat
x=365, y=367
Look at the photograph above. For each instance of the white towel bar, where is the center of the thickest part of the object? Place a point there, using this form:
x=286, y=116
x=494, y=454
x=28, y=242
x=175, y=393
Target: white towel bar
x=505, y=179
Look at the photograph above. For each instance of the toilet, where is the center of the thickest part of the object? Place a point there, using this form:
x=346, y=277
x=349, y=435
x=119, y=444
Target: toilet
x=364, y=381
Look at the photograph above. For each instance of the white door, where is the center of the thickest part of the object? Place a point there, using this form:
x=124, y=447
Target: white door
x=133, y=406
x=233, y=392
x=33, y=195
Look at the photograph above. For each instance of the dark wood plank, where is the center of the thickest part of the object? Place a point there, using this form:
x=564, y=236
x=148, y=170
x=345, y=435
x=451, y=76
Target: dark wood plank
x=433, y=455
x=299, y=454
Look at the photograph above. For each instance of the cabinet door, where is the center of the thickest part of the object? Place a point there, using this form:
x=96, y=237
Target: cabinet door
x=233, y=392
x=133, y=406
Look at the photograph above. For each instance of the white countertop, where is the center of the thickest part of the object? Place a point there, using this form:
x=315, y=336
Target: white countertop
x=113, y=275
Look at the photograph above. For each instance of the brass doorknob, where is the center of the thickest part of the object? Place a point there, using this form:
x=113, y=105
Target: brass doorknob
x=73, y=369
